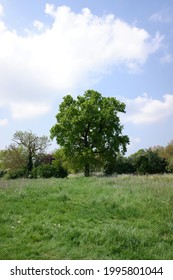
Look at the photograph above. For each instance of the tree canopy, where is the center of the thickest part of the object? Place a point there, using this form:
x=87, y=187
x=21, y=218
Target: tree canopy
x=148, y=161
x=32, y=144
x=89, y=129
x=13, y=158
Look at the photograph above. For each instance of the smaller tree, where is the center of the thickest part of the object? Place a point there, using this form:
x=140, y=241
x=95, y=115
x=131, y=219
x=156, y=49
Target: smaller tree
x=13, y=158
x=13, y=162
x=32, y=144
x=167, y=154
x=169, y=151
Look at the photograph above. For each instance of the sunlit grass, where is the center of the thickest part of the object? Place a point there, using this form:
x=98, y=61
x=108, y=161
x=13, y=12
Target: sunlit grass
x=124, y=217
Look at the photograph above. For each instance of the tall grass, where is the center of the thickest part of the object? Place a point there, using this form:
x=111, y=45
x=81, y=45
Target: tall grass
x=124, y=217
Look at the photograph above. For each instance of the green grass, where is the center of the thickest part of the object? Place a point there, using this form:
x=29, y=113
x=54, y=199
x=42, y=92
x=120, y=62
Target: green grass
x=124, y=217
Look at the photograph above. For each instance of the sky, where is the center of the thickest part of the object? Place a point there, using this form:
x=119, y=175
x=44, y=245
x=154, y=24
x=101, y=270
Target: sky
x=120, y=48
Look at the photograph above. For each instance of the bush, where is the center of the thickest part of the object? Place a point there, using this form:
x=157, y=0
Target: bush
x=2, y=173
x=169, y=167
x=45, y=171
x=60, y=172
x=15, y=174
x=48, y=171
x=121, y=165
x=32, y=174
x=149, y=162
x=109, y=168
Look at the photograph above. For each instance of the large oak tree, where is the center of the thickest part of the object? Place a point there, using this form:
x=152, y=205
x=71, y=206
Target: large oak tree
x=89, y=129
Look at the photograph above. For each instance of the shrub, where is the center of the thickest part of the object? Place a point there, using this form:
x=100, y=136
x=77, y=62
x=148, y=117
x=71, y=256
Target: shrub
x=121, y=165
x=48, y=171
x=169, y=167
x=32, y=174
x=45, y=171
x=149, y=162
x=15, y=174
x=60, y=172
x=2, y=173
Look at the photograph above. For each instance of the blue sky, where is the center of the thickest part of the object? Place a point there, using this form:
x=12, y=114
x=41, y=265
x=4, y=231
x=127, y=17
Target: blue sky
x=120, y=48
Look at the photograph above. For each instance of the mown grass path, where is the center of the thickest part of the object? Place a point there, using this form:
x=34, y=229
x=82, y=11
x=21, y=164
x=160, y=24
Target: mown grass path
x=124, y=217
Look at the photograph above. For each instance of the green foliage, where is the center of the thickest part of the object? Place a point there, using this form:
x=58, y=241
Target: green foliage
x=142, y=162
x=59, y=158
x=31, y=144
x=33, y=174
x=89, y=129
x=170, y=166
x=60, y=171
x=167, y=153
x=13, y=158
x=121, y=165
x=148, y=162
x=48, y=171
x=2, y=173
x=15, y=174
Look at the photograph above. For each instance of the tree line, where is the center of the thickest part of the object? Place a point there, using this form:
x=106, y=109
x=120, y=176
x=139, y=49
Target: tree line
x=90, y=138
x=15, y=162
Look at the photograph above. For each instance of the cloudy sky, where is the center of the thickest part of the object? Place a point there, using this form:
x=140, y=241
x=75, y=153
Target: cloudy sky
x=120, y=48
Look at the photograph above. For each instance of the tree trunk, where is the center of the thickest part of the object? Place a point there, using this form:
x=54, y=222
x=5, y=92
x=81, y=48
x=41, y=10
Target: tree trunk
x=30, y=162
x=87, y=170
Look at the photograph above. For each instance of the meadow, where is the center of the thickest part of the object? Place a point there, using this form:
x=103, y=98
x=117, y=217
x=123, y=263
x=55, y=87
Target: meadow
x=123, y=217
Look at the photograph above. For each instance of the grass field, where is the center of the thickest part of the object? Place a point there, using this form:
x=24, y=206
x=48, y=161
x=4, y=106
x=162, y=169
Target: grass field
x=124, y=217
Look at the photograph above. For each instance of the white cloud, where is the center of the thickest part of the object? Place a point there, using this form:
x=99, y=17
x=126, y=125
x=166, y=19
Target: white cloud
x=28, y=110
x=161, y=16
x=50, y=9
x=1, y=10
x=167, y=58
x=38, y=25
x=76, y=49
x=3, y=122
x=146, y=110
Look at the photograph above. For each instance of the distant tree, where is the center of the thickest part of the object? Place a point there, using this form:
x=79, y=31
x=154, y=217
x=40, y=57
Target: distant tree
x=13, y=158
x=13, y=162
x=32, y=144
x=148, y=162
x=1, y=159
x=124, y=165
x=167, y=153
x=89, y=130
x=121, y=165
x=42, y=158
